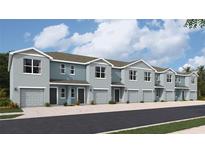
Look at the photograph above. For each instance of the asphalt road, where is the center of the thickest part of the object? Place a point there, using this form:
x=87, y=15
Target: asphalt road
x=98, y=122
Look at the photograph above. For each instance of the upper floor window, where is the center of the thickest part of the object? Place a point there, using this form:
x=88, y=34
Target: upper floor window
x=63, y=93
x=72, y=70
x=147, y=76
x=62, y=68
x=178, y=79
x=193, y=79
x=72, y=93
x=132, y=75
x=169, y=78
x=31, y=66
x=99, y=72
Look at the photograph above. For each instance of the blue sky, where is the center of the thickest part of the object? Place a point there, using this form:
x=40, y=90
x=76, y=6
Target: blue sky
x=161, y=42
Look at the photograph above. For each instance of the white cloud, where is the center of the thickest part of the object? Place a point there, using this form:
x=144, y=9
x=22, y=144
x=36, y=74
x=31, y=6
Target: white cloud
x=54, y=36
x=195, y=62
x=120, y=39
x=26, y=36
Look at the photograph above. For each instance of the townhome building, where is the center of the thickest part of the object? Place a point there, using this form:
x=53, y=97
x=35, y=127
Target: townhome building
x=57, y=78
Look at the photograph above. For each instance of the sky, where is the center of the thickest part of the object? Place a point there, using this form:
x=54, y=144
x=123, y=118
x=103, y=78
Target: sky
x=165, y=43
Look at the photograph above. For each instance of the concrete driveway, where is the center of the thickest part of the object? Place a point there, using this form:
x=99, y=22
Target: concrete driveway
x=33, y=112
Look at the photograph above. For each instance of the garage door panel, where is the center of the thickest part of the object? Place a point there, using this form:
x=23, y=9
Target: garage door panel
x=147, y=96
x=169, y=96
x=133, y=96
x=101, y=96
x=32, y=97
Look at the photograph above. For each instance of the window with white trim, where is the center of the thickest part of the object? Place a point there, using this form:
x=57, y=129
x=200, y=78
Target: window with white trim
x=72, y=94
x=192, y=79
x=62, y=68
x=169, y=78
x=132, y=75
x=62, y=92
x=31, y=66
x=99, y=72
x=147, y=76
x=72, y=70
x=178, y=79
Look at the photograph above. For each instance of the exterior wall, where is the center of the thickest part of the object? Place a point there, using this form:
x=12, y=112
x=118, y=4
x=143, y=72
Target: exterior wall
x=116, y=75
x=80, y=71
x=19, y=79
x=96, y=83
x=139, y=84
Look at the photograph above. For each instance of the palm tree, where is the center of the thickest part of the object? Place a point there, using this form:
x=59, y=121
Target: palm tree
x=187, y=69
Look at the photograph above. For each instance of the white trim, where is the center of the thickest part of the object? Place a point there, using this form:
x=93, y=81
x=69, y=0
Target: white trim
x=147, y=89
x=132, y=89
x=114, y=93
x=140, y=68
x=100, y=59
x=193, y=90
x=169, y=90
x=32, y=59
x=70, y=62
x=35, y=55
x=141, y=60
x=56, y=94
x=182, y=88
x=115, y=85
x=100, y=72
x=27, y=87
x=84, y=93
x=31, y=48
x=167, y=70
x=73, y=84
x=100, y=88
x=64, y=93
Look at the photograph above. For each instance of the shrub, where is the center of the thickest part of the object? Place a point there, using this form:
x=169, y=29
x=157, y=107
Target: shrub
x=65, y=104
x=77, y=103
x=155, y=100
x=93, y=102
x=141, y=101
x=47, y=104
x=4, y=101
x=13, y=105
x=191, y=99
x=162, y=100
x=112, y=102
x=2, y=93
x=128, y=102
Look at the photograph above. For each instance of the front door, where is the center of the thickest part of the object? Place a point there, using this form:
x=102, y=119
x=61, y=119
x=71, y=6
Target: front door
x=53, y=95
x=81, y=95
x=183, y=95
x=117, y=95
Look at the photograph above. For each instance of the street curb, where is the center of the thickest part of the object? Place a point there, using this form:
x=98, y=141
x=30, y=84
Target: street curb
x=108, y=132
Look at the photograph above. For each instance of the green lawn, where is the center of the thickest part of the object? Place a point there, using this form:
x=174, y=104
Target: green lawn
x=10, y=116
x=7, y=110
x=165, y=128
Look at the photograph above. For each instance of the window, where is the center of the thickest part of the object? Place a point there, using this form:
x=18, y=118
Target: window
x=147, y=76
x=63, y=93
x=72, y=70
x=178, y=79
x=132, y=75
x=99, y=72
x=193, y=79
x=169, y=78
x=72, y=93
x=62, y=68
x=32, y=66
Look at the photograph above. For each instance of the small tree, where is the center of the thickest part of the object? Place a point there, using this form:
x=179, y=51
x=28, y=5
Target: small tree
x=195, y=23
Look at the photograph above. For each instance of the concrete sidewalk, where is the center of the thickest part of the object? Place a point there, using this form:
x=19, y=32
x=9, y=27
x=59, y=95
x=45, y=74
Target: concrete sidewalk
x=32, y=112
x=195, y=130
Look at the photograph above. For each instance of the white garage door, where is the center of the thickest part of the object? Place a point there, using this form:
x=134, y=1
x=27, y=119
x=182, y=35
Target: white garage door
x=32, y=97
x=148, y=96
x=101, y=96
x=193, y=95
x=133, y=96
x=169, y=96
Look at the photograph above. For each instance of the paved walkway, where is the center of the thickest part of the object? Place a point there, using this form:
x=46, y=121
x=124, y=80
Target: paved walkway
x=33, y=112
x=195, y=130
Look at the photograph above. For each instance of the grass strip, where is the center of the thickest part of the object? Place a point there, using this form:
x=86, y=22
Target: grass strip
x=165, y=128
x=9, y=110
x=10, y=116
